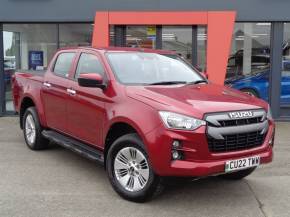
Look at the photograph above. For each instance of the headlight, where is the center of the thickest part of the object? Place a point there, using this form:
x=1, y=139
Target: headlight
x=269, y=113
x=180, y=122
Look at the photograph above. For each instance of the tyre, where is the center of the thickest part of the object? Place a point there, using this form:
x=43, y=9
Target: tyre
x=32, y=130
x=129, y=170
x=238, y=175
x=250, y=92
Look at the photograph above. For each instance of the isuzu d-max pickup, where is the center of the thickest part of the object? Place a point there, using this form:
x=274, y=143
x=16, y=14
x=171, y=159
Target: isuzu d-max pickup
x=145, y=114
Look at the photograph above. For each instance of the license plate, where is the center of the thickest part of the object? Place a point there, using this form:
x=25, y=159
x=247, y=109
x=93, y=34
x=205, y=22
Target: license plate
x=244, y=163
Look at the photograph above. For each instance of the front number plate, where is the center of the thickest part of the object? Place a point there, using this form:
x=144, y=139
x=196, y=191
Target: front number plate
x=243, y=163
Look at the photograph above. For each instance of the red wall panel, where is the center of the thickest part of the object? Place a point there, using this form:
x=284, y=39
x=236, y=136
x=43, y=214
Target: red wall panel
x=219, y=37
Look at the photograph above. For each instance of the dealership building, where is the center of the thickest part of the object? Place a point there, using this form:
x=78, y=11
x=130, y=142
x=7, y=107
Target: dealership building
x=259, y=61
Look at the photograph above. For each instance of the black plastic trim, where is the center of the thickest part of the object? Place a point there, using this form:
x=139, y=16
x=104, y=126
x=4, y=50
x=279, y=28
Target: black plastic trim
x=74, y=145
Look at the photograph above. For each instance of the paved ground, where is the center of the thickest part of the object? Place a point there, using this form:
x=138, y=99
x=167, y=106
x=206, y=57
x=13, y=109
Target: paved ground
x=57, y=182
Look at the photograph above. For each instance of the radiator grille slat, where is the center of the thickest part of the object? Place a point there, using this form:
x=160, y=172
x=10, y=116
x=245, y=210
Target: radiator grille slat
x=236, y=142
x=239, y=122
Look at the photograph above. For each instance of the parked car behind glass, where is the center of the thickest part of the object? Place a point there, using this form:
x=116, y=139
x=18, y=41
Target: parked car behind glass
x=257, y=84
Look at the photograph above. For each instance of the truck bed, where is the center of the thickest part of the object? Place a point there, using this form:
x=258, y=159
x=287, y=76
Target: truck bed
x=23, y=81
x=32, y=72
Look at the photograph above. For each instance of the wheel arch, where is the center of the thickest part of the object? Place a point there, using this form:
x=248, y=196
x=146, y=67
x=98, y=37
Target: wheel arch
x=253, y=88
x=29, y=99
x=118, y=129
x=26, y=102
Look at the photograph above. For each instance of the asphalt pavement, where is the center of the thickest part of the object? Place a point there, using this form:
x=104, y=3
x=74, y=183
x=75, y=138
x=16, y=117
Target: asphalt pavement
x=57, y=182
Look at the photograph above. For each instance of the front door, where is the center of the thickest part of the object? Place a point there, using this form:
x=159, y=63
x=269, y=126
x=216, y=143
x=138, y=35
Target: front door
x=54, y=92
x=86, y=106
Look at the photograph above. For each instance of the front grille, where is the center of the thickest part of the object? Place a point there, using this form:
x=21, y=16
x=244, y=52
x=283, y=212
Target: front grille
x=227, y=134
x=239, y=122
x=236, y=142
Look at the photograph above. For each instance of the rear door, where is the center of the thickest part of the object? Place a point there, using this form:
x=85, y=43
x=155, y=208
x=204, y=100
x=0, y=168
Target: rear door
x=86, y=106
x=54, y=91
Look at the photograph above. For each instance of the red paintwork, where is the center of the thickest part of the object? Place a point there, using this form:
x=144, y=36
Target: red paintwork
x=220, y=26
x=89, y=114
x=96, y=77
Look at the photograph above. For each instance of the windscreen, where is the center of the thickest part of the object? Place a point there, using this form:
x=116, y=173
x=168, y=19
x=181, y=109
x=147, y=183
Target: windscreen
x=139, y=68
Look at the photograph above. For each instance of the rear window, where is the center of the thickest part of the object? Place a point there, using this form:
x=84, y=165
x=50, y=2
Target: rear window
x=63, y=64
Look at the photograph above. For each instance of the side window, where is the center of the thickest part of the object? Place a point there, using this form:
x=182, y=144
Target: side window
x=89, y=63
x=63, y=64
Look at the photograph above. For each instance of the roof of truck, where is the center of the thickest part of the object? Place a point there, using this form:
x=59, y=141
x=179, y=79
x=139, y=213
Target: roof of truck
x=122, y=49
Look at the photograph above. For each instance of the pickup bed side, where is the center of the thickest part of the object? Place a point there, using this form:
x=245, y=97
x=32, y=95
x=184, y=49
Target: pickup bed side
x=26, y=90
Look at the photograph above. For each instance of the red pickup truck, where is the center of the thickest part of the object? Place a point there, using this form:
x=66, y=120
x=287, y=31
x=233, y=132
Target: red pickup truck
x=145, y=114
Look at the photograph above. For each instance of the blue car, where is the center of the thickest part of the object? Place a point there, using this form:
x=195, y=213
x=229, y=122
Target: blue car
x=257, y=84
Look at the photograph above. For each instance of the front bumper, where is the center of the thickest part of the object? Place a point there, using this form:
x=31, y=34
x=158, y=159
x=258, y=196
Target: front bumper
x=198, y=160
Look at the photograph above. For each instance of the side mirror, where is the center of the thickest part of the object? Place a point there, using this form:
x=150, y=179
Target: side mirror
x=91, y=80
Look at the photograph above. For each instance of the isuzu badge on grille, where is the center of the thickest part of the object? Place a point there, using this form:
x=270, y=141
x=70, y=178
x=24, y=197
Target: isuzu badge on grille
x=242, y=114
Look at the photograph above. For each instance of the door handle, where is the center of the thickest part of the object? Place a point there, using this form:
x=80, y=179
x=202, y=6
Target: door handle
x=46, y=84
x=71, y=92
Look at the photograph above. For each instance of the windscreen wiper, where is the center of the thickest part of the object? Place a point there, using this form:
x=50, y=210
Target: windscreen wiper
x=168, y=83
x=198, y=82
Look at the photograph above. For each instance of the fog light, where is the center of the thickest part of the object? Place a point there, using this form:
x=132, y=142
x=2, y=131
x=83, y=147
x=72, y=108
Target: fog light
x=176, y=144
x=175, y=155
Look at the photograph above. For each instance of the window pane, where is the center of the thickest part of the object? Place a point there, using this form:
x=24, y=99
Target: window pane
x=141, y=36
x=179, y=39
x=63, y=64
x=75, y=34
x=26, y=46
x=249, y=61
x=151, y=68
x=201, y=47
x=112, y=35
x=89, y=63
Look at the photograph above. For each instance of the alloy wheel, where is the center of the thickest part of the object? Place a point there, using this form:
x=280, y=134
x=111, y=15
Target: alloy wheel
x=131, y=169
x=30, y=131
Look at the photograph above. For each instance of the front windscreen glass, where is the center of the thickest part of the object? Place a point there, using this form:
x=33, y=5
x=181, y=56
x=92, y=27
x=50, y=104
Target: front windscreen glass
x=139, y=68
